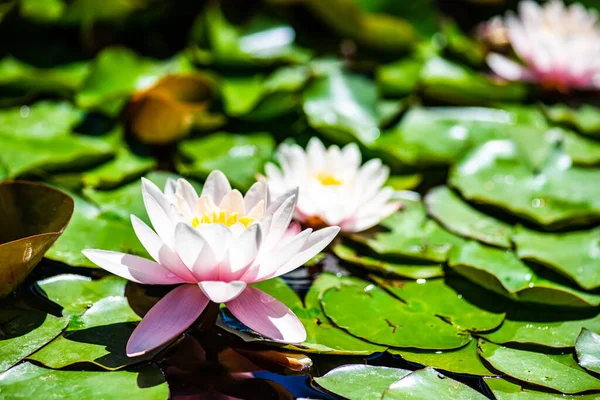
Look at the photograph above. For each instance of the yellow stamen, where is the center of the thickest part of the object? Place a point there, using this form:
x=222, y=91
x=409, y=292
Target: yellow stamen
x=328, y=179
x=195, y=222
x=221, y=217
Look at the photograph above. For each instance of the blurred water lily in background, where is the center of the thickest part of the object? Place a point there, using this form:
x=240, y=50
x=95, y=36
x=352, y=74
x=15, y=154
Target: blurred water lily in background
x=558, y=44
x=334, y=188
x=215, y=245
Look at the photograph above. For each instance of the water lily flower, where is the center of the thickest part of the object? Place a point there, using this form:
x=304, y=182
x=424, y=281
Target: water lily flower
x=558, y=45
x=214, y=245
x=335, y=190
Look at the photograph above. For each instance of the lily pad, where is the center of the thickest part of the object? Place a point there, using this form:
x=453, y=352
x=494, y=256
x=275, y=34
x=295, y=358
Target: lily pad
x=557, y=195
x=118, y=72
x=240, y=157
x=504, y=390
x=543, y=326
x=427, y=383
x=573, y=254
x=399, y=78
x=462, y=219
x=502, y=272
x=588, y=350
x=343, y=107
x=586, y=118
x=43, y=120
x=412, y=235
x=454, y=300
x=444, y=80
x=125, y=166
x=360, y=382
x=22, y=332
x=556, y=371
x=26, y=381
x=465, y=360
x=368, y=312
x=33, y=217
x=387, y=268
x=322, y=335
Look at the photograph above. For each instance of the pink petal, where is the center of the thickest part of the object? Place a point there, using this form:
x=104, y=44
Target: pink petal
x=267, y=316
x=158, y=250
x=216, y=186
x=169, y=318
x=222, y=292
x=257, y=192
x=291, y=231
x=508, y=69
x=133, y=268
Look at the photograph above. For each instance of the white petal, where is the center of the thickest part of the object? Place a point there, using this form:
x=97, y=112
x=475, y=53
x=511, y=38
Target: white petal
x=233, y=202
x=216, y=186
x=187, y=192
x=281, y=220
x=158, y=212
x=196, y=252
x=316, y=154
x=170, y=187
x=270, y=261
x=508, y=69
x=257, y=193
x=221, y=292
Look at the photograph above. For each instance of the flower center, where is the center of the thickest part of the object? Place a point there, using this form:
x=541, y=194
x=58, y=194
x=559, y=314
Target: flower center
x=222, y=217
x=328, y=179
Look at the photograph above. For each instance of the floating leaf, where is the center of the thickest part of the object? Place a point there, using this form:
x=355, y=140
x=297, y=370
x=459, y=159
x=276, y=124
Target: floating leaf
x=504, y=390
x=26, y=381
x=462, y=46
x=573, y=254
x=240, y=157
x=588, y=350
x=399, y=78
x=125, y=166
x=502, y=272
x=462, y=219
x=368, y=312
x=556, y=371
x=388, y=268
x=118, y=72
x=465, y=360
x=360, y=382
x=427, y=383
x=343, y=106
x=411, y=235
x=33, y=217
x=557, y=195
x=454, y=300
x=586, y=118
x=23, y=332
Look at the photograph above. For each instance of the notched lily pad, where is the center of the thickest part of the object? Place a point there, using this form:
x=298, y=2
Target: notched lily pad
x=33, y=217
x=573, y=254
x=462, y=219
x=588, y=350
x=556, y=371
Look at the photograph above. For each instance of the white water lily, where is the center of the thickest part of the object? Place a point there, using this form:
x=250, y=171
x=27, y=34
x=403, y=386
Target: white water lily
x=215, y=245
x=559, y=46
x=334, y=188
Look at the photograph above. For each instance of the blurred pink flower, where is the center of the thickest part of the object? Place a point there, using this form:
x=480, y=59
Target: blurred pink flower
x=215, y=245
x=558, y=45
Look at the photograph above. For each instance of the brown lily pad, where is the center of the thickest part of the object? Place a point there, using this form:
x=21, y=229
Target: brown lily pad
x=32, y=217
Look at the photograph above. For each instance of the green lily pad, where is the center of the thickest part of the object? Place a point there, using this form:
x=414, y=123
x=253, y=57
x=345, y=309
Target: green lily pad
x=388, y=268
x=504, y=390
x=399, y=78
x=322, y=335
x=454, y=300
x=99, y=337
x=543, y=326
x=557, y=195
x=76, y=293
x=412, y=235
x=404, y=182
x=263, y=96
x=343, y=107
x=125, y=166
x=574, y=254
x=22, y=332
x=43, y=120
x=465, y=360
x=360, y=382
x=588, y=350
x=444, y=80
x=586, y=118
x=462, y=46
x=26, y=381
x=92, y=228
x=556, y=371
x=118, y=72
x=368, y=312
x=502, y=272
x=427, y=383
x=462, y=219
x=240, y=157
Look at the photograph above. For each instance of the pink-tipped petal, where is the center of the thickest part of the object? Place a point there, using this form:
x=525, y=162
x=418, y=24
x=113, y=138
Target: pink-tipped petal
x=158, y=250
x=133, y=268
x=222, y=292
x=267, y=316
x=169, y=318
x=216, y=186
x=316, y=242
x=508, y=69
